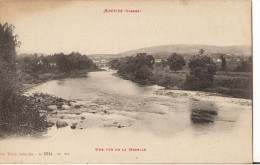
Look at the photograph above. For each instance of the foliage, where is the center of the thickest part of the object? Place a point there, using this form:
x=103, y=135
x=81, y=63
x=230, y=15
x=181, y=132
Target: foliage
x=8, y=43
x=245, y=66
x=35, y=64
x=176, y=62
x=201, y=72
x=114, y=64
x=18, y=115
x=223, y=63
x=139, y=67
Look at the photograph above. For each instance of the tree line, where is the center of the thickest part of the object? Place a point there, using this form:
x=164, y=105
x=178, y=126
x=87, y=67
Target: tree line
x=201, y=68
x=61, y=62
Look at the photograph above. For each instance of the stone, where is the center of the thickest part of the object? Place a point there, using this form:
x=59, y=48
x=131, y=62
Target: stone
x=60, y=124
x=73, y=127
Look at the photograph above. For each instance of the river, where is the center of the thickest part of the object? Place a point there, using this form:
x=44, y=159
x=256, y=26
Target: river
x=172, y=126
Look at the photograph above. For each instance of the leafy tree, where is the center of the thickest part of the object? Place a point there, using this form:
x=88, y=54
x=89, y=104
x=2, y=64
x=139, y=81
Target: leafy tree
x=73, y=61
x=8, y=44
x=176, y=62
x=201, y=72
x=17, y=113
x=139, y=67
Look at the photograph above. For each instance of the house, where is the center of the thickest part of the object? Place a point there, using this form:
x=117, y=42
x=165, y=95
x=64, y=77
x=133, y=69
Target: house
x=158, y=60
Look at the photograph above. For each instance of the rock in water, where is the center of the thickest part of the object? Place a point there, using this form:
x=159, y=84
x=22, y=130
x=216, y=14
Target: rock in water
x=73, y=127
x=60, y=124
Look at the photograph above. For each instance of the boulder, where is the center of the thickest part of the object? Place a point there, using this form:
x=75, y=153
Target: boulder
x=60, y=124
x=73, y=127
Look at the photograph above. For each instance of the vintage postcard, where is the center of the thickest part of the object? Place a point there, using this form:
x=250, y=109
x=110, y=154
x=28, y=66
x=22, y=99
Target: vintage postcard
x=111, y=81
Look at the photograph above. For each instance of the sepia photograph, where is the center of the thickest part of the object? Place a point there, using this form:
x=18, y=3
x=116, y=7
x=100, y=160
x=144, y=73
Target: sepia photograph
x=139, y=81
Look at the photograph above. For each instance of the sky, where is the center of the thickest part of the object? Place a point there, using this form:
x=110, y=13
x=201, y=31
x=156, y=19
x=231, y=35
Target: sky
x=65, y=26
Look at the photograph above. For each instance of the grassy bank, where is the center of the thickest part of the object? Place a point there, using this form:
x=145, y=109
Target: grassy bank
x=232, y=84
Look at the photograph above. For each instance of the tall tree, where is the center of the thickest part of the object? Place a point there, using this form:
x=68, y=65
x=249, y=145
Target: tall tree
x=223, y=63
x=17, y=114
x=201, y=72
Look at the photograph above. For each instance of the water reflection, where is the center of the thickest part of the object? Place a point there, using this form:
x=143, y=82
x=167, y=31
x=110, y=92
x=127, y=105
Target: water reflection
x=203, y=112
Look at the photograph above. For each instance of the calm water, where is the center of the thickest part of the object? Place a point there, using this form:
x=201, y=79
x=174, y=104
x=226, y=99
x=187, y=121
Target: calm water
x=120, y=113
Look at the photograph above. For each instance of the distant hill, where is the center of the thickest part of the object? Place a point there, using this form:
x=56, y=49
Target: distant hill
x=191, y=49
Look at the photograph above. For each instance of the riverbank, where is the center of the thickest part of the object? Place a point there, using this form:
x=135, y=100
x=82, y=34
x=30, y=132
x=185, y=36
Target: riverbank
x=226, y=84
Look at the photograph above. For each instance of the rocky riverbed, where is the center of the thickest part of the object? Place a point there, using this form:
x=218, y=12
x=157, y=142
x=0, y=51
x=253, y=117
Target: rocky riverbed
x=82, y=114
